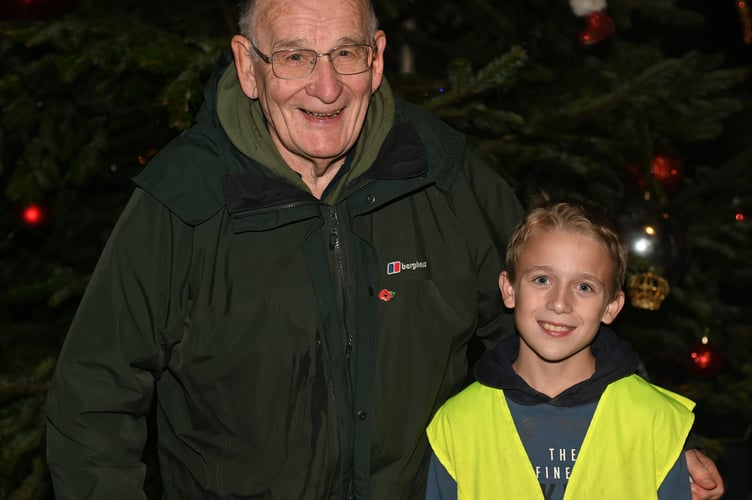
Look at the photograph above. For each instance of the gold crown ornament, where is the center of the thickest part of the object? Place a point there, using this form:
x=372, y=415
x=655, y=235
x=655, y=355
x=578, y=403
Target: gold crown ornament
x=647, y=290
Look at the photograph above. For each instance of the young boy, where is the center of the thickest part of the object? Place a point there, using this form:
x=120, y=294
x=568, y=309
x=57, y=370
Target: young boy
x=558, y=411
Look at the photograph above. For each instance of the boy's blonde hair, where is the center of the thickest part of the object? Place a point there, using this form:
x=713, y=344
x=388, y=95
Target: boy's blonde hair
x=586, y=218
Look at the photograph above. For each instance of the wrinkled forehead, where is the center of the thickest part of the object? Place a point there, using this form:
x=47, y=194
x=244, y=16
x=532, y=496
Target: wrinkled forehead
x=311, y=22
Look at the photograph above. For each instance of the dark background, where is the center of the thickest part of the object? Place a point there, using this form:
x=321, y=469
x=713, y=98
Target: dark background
x=90, y=91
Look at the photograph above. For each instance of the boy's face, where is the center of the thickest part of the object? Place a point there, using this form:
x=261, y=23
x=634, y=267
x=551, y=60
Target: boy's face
x=560, y=296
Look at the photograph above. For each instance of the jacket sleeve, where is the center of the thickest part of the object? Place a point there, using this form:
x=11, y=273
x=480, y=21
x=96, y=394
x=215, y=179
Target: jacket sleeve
x=101, y=392
x=489, y=221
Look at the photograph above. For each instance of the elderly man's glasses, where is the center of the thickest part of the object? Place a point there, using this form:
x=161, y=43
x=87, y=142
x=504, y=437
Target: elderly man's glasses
x=292, y=64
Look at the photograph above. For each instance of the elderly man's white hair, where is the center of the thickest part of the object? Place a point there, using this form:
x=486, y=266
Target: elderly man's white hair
x=245, y=20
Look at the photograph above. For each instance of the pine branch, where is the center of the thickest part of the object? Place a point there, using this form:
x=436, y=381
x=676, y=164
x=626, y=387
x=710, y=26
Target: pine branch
x=464, y=84
x=22, y=431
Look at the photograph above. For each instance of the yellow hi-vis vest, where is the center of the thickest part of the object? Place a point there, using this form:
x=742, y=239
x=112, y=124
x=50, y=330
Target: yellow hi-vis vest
x=636, y=435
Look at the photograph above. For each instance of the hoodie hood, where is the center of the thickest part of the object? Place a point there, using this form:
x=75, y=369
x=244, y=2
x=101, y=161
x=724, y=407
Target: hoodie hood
x=614, y=359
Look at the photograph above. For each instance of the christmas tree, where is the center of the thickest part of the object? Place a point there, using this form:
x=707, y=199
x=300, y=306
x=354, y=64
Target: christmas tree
x=642, y=106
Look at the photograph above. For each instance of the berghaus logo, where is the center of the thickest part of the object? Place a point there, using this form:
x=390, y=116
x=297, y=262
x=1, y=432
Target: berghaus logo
x=397, y=266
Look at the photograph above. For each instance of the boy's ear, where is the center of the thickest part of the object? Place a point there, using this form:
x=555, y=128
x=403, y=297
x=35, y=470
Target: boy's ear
x=613, y=308
x=507, y=289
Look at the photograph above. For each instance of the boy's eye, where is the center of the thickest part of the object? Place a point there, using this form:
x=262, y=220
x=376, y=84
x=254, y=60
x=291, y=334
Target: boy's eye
x=584, y=287
x=541, y=280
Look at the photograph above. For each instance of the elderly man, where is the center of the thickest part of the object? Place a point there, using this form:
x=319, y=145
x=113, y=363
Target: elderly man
x=293, y=283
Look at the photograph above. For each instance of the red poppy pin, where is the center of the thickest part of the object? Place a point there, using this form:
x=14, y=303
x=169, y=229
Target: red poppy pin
x=386, y=295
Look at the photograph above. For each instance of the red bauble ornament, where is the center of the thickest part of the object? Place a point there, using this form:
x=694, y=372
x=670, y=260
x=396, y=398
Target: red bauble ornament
x=599, y=27
x=667, y=171
x=33, y=215
x=705, y=361
x=746, y=18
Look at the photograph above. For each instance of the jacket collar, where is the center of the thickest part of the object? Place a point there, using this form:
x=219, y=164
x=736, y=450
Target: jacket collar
x=401, y=157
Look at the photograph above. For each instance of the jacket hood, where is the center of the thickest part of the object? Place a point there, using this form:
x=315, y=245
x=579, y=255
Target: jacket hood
x=614, y=359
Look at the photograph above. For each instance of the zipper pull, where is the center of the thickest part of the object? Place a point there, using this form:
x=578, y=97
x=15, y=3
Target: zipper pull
x=332, y=241
x=349, y=347
x=334, y=222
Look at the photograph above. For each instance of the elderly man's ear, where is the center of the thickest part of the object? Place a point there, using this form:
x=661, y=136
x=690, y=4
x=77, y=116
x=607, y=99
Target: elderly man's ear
x=377, y=70
x=244, y=65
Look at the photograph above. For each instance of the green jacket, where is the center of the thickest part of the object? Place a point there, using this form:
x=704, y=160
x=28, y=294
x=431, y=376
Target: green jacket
x=295, y=348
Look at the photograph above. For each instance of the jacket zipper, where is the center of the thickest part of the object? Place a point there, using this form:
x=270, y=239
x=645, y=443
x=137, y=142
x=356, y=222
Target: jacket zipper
x=335, y=245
